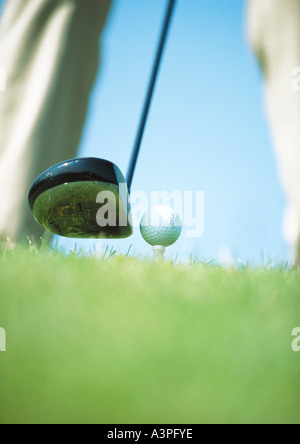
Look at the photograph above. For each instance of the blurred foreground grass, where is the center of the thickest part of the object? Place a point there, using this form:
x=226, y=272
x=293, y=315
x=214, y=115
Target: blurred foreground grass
x=124, y=341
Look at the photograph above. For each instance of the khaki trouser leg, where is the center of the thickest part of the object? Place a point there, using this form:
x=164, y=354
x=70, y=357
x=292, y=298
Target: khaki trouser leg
x=274, y=27
x=49, y=50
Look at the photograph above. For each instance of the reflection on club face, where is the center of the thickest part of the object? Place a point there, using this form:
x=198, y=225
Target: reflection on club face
x=66, y=201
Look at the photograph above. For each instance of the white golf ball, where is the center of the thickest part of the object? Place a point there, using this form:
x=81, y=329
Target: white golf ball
x=161, y=226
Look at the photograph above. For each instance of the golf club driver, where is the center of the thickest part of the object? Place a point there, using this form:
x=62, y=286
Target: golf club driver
x=64, y=199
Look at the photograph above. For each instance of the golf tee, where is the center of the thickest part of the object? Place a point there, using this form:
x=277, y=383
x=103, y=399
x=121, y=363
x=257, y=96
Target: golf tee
x=159, y=253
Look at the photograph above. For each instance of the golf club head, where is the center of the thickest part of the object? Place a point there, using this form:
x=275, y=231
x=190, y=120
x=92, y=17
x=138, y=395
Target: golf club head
x=83, y=198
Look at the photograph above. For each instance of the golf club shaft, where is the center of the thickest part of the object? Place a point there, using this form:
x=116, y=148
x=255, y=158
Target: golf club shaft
x=142, y=125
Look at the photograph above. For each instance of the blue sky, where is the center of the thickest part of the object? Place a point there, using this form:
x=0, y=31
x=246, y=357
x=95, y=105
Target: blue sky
x=207, y=129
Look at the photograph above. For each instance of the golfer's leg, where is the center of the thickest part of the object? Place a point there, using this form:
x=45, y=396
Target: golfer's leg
x=49, y=50
x=275, y=34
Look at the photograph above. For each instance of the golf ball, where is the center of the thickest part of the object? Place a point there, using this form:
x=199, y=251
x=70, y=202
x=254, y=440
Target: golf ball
x=161, y=226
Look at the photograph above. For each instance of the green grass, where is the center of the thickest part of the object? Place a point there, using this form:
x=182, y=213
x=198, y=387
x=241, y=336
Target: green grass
x=126, y=341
